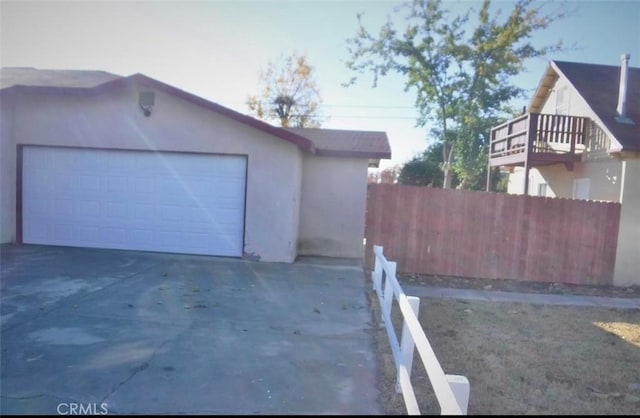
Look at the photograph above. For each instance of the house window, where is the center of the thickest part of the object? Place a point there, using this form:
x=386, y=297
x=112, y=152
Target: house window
x=581, y=188
x=542, y=189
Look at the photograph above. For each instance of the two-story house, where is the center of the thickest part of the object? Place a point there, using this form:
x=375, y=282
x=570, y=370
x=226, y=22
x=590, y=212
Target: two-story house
x=580, y=139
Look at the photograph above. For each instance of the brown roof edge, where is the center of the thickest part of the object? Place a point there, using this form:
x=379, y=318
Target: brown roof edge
x=356, y=154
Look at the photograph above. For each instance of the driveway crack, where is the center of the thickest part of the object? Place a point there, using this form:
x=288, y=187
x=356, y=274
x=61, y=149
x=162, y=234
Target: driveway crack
x=36, y=396
x=140, y=368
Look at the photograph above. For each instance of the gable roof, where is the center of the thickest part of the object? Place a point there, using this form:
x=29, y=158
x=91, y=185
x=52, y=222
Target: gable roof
x=598, y=85
x=316, y=141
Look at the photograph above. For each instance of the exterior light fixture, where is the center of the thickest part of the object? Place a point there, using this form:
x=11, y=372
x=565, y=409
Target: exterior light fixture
x=146, y=99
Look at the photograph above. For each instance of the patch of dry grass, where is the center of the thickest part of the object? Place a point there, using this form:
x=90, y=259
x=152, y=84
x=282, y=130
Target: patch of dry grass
x=525, y=358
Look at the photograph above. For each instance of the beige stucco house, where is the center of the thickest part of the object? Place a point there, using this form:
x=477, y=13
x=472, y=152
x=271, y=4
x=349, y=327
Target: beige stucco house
x=93, y=159
x=580, y=139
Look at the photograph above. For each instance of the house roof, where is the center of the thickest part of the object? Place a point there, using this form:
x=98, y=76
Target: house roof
x=362, y=144
x=28, y=76
x=599, y=86
x=347, y=143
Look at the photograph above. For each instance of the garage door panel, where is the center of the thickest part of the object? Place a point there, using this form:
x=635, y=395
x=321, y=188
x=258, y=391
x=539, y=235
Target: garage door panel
x=114, y=235
x=63, y=233
x=224, y=215
x=89, y=234
x=116, y=183
x=87, y=209
x=38, y=231
x=225, y=191
x=141, y=212
x=116, y=211
x=61, y=183
x=196, y=215
x=61, y=209
x=171, y=213
x=185, y=203
x=141, y=236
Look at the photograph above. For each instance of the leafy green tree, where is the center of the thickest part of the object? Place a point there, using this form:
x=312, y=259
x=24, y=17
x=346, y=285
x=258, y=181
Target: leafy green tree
x=461, y=77
x=289, y=94
x=424, y=169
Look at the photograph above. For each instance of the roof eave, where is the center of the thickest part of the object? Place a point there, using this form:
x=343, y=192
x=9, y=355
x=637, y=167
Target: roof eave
x=544, y=88
x=352, y=154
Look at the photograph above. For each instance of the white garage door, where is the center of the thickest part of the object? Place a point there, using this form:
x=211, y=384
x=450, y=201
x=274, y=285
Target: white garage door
x=170, y=202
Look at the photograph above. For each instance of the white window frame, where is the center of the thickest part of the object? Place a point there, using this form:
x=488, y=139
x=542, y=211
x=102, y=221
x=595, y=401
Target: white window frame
x=542, y=189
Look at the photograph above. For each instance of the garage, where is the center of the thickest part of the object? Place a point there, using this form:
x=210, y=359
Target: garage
x=137, y=200
x=94, y=159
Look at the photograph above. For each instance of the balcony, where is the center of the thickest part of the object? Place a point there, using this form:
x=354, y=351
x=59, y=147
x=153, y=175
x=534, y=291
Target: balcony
x=536, y=139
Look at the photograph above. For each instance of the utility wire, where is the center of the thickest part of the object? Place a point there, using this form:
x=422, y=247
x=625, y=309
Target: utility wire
x=371, y=117
x=338, y=116
x=352, y=106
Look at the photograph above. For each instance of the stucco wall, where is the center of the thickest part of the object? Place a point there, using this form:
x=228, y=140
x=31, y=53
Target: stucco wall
x=559, y=181
x=515, y=184
x=627, y=269
x=114, y=120
x=7, y=172
x=604, y=179
x=298, y=203
x=332, y=214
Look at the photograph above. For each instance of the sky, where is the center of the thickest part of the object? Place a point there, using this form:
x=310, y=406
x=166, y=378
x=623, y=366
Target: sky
x=216, y=49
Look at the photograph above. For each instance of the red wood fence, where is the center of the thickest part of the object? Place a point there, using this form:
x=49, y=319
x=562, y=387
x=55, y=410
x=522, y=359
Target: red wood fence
x=492, y=235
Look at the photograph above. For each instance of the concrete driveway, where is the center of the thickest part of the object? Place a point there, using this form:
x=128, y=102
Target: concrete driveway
x=104, y=331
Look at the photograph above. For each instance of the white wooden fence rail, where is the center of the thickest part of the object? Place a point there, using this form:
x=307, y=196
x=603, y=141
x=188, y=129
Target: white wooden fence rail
x=452, y=391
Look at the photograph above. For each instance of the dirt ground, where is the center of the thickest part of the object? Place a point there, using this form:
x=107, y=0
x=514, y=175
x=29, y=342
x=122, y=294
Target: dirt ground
x=524, y=358
x=508, y=285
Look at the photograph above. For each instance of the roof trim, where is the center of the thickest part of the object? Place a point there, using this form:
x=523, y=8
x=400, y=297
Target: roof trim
x=545, y=85
x=354, y=154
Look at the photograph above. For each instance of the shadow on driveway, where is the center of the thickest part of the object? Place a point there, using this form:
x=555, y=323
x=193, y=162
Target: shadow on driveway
x=147, y=333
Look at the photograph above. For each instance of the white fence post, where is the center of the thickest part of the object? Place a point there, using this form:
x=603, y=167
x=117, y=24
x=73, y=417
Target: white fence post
x=460, y=387
x=390, y=276
x=406, y=342
x=377, y=270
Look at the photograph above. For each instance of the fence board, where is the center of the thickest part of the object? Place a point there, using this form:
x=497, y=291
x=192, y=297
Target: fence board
x=492, y=235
